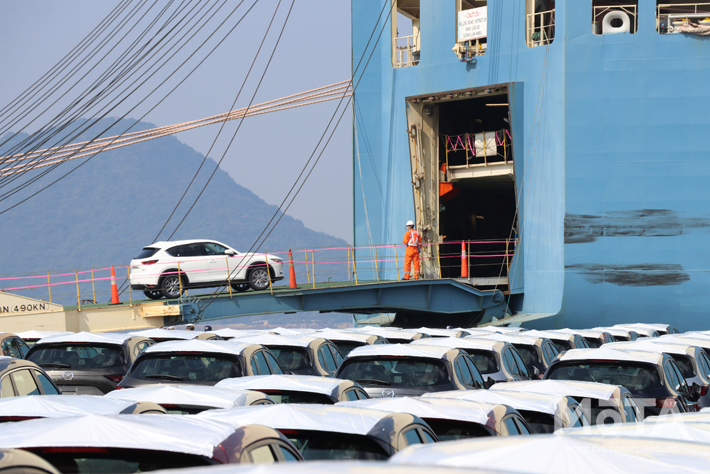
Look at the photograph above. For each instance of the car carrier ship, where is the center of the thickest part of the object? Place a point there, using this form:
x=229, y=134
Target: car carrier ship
x=564, y=143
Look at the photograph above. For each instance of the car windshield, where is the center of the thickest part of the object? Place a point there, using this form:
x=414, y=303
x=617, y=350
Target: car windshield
x=562, y=345
x=187, y=367
x=289, y=396
x=484, y=361
x=395, y=371
x=346, y=346
x=90, y=460
x=291, y=358
x=449, y=430
x=639, y=378
x=320, y=445
x=77, y=356
x=539, y=423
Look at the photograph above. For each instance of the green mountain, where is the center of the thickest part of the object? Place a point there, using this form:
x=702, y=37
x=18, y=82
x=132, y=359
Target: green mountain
x=109, y=208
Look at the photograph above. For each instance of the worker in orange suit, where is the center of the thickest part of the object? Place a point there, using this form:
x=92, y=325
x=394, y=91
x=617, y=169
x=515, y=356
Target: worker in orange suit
x=413, y=240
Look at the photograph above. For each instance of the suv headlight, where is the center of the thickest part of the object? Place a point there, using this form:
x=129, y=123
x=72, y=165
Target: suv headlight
x=276, y=259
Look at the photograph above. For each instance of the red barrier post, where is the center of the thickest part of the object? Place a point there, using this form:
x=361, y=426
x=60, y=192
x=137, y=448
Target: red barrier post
x=464, y=266
x=114, y=288
x=291, y=271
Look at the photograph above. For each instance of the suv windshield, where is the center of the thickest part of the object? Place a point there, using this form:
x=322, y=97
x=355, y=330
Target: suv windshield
x=396, y=371
x=187, y=367
x=317, y=445
x=639, y=378
x=77, y=356
x=291, y=358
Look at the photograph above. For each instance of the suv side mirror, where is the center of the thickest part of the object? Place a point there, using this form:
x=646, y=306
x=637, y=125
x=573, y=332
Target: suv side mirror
x=230, y=252
x=536, y=373
x=695, y=392
x=489, y=382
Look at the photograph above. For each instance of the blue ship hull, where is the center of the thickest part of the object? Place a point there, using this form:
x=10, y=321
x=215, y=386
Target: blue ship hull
x=611, y=159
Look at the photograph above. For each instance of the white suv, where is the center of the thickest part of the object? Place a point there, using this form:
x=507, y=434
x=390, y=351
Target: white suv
x=164, y=268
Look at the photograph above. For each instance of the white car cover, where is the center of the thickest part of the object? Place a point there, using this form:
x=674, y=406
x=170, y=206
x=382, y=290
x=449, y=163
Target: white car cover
x=599, y=391
x=199, y=345
x=161, y=333
x=607, y=353
x=537, y=402
x=36, y=335
x=551, y=454
x=175, y=433
x=52, y=406
x=184, y=395
x=673, y=430
x=86, y=338
x=296, y=383
x=275, y=340
x=439, y=408
x=400, y=350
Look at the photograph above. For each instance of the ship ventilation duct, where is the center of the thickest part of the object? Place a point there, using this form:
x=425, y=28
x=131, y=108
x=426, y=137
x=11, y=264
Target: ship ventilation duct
x=609, y=29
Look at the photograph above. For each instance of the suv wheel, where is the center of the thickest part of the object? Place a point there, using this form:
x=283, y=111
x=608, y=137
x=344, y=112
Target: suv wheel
x=170, y=286
x=240, y=287
x=153, y=294
x=258, y=278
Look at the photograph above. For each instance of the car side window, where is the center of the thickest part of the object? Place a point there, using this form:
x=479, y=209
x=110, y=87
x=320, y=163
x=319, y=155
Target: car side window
x=22, y=347
x=273, y=363
x=462, y=372
x=212, y=248
x=704, y=363
x=336, y=355
x=9, y=349
x=254, y=368
x=325, y=357
x=577, y=416
x=477, y=378
x=261, y=363
x=361, y=394
x=522, y=426
x=351, y=395
x=288, y=454
x=140, y=347
x=47, y=386
x=679, y=376
x=509, y=362
x=521, y=365
x=24, y=383
x=510, y=426
x=628, y=403
x=412, y=437
x=6, y=389
x=428, y=438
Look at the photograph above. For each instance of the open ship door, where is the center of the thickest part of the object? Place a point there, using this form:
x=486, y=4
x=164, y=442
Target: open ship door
x=422, y=123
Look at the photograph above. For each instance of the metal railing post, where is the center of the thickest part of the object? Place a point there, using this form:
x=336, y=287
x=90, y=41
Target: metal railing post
x=438, y=256
x=78, y=298
x=179, y=278
x=377, y=269
x=396, y=261
x=49, y=287
x=468, y=258
x=308, y=270
x=130, y=292
x=313, y=267
x=354, y=266
x=268, y=271
x=349, y=271
x=93, y=286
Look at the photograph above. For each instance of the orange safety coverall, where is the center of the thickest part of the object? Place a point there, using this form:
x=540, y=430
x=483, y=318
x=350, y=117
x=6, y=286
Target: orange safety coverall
x=413, y=240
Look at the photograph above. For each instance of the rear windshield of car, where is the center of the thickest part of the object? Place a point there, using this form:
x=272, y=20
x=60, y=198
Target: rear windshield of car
x=449, y=430
x=321, y=445
x=484, y=361
x=528, y=353
x=539, y=423
x=345, y=347
x=562, y=345
x=188, y=368
x=146, y=252
x=86, y=460
x=77, y=356
x=395, y=371
x=639, y=378
x=288, y=396
x=291, y=358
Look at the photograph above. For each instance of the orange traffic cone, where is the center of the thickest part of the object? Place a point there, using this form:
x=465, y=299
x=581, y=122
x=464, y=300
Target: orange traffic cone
x=114, y=288
x=464, y=262
x=291, y=271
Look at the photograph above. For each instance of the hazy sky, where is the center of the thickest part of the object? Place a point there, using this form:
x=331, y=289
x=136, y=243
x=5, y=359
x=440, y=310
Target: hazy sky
x=269, y=150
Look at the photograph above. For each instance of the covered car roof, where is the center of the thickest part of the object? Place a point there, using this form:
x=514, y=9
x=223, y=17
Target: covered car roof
x=570, y=388
x=552, y=454
x=336, y=335
x=332, y=418
x=296, y=383
x=186, y=395
x=439, y=408
x=519, y=400
x=276, y=340
x=162, y=333
x=608, y=353
x=655, y=344
x=34, y=335
x=674, y=430
x=323, y=467
x=87, y=338
x=468, y=342
x=400, y=350
x=52, y=406
x=174, y=433
x=198, y=345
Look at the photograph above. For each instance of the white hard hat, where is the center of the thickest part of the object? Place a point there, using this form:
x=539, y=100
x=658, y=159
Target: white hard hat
x=410, y=223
